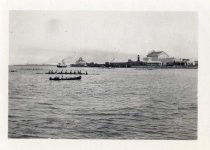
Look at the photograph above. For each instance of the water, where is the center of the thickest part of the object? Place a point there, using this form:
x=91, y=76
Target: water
x=109, y=104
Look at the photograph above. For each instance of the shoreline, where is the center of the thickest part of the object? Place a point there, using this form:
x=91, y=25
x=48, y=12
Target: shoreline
x=134, y=67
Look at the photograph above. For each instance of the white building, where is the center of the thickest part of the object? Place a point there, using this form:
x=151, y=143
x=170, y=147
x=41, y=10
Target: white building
x=157, y=55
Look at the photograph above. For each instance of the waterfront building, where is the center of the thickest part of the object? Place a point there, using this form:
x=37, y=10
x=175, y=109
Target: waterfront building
x=153, y=58
x=92, y=64
x=192, y=63
x=156, y=58
x=128, y=64
x=196, y=63
x=154, y=63
x=157, y=55
x=168, y=61
x=161, y=58
x=178, y=62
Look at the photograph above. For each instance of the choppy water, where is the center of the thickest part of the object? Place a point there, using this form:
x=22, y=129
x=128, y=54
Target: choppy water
x=114, y=104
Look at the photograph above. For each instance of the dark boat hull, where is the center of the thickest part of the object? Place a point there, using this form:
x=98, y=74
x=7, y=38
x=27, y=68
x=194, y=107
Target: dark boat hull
x=61, y=79
x=61, y=66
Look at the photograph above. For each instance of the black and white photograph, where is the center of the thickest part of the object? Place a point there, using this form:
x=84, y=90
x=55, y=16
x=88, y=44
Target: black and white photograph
x=103, y=75
x=108, y=75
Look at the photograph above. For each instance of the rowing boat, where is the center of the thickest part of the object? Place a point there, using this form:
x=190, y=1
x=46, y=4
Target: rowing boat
x=70, y=78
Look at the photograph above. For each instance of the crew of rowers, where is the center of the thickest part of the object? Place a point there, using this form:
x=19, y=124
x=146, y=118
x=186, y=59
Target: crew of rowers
x=66, y=72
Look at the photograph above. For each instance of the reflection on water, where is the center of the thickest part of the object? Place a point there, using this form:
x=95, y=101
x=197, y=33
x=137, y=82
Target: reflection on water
x=109, y=104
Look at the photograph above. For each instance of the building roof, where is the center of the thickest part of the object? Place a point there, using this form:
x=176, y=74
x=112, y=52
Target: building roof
x=155, y=53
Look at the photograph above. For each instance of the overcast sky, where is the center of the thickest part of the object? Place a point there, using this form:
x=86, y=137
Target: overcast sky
x=39, y=36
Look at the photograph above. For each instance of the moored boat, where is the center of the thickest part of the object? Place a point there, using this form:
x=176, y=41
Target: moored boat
x=62, y=64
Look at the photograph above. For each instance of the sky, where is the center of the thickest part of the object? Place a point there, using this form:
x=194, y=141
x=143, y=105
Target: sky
x=99, y=36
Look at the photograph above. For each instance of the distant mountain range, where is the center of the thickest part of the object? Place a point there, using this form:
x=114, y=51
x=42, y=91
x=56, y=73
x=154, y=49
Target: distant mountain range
x=90, y=56
x=53, y=57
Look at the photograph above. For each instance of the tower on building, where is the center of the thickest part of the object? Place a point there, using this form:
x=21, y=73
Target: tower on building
x=138, y=58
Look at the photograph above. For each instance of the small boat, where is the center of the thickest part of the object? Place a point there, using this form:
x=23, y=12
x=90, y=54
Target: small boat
x=70, y=78
x=62, y=64
x=13, y=71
